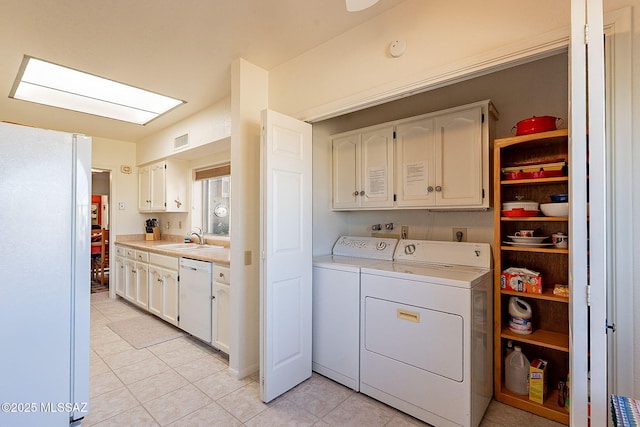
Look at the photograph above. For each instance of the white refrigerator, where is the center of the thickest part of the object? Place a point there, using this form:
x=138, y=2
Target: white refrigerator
x=45, y=187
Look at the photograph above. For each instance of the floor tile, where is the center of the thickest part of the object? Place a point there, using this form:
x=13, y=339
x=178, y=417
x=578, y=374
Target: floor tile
x=359, y=410
x=136, y=416
x=212, y=415
x=104, y=383
x=200, y=368
x=127, y=357
x=182, y=355
x=244, y=403
x=157, y=385
x=319, y=395
x=176, y=404
x=219, y=384
x=283, y=413
x=143, y=369
x=109, y=348
x=109, y=404
x=97, y=366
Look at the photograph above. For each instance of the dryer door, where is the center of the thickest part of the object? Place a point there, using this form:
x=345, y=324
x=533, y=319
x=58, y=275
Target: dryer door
x=427, y=339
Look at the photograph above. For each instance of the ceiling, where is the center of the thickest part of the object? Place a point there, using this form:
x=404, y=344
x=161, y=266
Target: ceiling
x=178, y=48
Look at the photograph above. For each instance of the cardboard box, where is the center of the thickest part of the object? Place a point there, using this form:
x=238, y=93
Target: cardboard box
x=538, y=381
x=521, y=280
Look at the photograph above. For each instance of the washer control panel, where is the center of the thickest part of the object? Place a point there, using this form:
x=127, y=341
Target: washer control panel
x=365, y=247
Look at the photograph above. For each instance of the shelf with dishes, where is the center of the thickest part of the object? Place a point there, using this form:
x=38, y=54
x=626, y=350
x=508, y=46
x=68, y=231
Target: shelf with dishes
x=531, y=202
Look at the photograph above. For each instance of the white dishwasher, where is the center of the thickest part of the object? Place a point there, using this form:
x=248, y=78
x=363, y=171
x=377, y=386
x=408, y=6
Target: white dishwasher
x=195, y=298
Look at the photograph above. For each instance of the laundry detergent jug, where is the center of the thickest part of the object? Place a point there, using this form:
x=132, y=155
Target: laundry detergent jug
x=520, y=316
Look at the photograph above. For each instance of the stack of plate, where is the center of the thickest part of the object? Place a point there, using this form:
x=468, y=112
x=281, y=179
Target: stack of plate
x=528, y=242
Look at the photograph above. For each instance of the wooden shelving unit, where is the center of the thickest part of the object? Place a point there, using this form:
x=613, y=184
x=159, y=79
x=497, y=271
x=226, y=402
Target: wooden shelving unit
x=550, y=337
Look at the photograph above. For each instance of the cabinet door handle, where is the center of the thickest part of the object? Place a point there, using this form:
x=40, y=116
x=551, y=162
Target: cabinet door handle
x=438, y=188
x=362, y=192
x=213, y=297
x=429, y=189
x=355, y=193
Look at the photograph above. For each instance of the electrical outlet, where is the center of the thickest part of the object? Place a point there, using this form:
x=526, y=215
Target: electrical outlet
x=459, y=234
x=404, y=232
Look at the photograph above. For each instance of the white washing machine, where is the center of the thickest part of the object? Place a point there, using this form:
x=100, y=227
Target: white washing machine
x=336, y=305
x=426, y=331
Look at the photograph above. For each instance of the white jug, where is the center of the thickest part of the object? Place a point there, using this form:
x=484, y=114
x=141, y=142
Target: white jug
x=517, y=372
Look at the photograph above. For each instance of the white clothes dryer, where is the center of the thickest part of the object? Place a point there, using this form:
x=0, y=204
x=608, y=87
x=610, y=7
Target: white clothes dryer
x=426, y=331
x=336, y=305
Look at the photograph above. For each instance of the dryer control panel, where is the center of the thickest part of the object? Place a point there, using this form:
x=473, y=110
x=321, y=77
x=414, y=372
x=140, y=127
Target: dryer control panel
x=450, y=253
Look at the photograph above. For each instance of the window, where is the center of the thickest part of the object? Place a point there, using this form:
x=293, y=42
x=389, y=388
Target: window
x=216, y=186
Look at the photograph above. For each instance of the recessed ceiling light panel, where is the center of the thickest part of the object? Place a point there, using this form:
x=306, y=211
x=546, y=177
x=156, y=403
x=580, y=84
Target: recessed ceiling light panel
x=50, y=84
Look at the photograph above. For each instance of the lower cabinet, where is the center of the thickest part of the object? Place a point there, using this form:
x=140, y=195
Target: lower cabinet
x=136, y=277
x=151, y=281
x=163, y=287
x=220, y=315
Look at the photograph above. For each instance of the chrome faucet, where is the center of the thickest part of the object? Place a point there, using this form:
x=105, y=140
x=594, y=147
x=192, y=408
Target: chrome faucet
x=198, y=234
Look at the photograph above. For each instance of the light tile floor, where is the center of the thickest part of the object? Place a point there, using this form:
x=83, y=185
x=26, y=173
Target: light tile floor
x=183, y=382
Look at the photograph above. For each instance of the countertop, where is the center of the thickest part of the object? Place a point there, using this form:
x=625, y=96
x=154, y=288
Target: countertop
x=215, y=255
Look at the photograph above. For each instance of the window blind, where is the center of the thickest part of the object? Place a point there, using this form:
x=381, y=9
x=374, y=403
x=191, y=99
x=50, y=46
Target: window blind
x=213, y=172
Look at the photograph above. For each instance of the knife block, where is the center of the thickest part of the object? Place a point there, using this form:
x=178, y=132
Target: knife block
x=153, y=236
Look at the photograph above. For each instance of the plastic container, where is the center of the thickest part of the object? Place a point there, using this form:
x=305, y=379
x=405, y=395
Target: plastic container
x=517, y=372
x=520, y=316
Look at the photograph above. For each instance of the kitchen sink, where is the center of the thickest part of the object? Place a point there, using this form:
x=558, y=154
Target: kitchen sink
x=188, y=246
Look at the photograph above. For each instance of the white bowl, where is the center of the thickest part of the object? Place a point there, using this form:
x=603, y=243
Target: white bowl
x=555, y=209
x=527, y=205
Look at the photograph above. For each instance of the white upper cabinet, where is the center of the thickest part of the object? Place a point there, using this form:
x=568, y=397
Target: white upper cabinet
x=363, y=169
x=416, y=164
x=441, y=162
x=163, y=186
x=459, y=160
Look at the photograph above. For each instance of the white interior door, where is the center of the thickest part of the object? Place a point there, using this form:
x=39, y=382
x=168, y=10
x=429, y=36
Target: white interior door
x=588, y=249
x=598, y=215
x=286, y=249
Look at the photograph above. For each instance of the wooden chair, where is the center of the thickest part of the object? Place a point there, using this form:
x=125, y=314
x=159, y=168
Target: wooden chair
x=100, y=258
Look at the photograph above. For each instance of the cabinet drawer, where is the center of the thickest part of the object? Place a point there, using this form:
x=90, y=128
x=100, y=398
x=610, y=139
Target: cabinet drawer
x=165, y=261
x=130, y=253
x=142, y=256
x=221, y=274
x=120, y=251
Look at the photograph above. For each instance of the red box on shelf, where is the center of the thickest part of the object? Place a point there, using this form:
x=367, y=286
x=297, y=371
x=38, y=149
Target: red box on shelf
x=521, y=280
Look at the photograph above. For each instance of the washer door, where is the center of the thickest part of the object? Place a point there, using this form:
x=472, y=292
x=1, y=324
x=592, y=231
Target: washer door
x=426, y=339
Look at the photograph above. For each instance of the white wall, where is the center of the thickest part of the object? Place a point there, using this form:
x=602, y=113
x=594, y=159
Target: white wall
x=111, y=154
x=249, y=96
x=356, y=69
x=207, y=126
